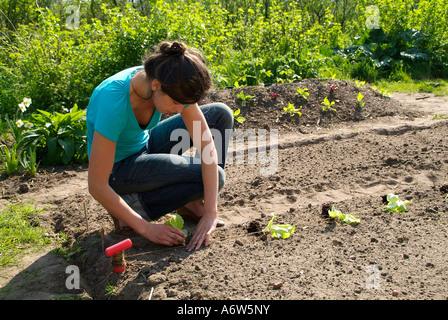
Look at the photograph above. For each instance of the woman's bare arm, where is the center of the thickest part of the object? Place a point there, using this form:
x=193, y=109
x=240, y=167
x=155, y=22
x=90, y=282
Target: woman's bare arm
x=100, y=166
x=203, y=141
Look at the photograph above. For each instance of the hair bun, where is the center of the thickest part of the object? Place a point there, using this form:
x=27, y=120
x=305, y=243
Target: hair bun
x=175, y=48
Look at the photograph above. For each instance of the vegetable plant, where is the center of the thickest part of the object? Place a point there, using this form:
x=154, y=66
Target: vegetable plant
x=237, y=117
x=345, y=218
x=395, y=204
x=279, y=230
x=291, y=109
x=245, y=98
x=177, y=222
x=274, y=95
x=303, y=92
x=359, y=84
x=328, y=105
x=439, y=117
x=381, y=91
x=360, y=98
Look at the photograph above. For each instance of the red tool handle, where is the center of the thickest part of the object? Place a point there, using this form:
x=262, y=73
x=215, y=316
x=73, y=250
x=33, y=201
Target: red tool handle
x=118, y=247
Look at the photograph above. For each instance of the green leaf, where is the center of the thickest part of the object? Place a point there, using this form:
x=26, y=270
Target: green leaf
x=395, y=204
x=280, y=230
x=52, y=147
x=69, y=150
x=177, y=222
x=344, y=218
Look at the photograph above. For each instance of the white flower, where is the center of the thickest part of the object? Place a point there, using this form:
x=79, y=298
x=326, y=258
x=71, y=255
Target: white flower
x=47, y=124
x=27, y=102
x=19, y=123
x=22, y=107
x=29, y=125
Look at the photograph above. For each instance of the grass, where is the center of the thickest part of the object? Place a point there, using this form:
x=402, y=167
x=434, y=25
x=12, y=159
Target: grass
x=438, y=87
x=20, y=232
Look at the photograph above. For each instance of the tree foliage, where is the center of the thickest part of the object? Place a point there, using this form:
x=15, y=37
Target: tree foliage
x=56, y=52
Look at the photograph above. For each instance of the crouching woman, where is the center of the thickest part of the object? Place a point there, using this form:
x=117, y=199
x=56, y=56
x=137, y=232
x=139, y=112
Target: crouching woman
x=133, y=172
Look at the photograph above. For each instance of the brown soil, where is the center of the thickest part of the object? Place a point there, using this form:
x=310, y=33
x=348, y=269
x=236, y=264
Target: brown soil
x=350, y=158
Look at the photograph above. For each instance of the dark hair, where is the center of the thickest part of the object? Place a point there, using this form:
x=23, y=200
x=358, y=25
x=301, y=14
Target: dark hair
x=182, y=72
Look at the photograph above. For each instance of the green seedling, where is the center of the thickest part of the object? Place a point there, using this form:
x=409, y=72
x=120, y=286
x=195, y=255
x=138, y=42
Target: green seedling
x=395, y=204
x=328, y=105
x=292, y=110
x=279, y=230
x=360, y=98
x=439, y=117
x=381, y=91
x=110, y=290
x=359, y=84
x=177, y=222
x=345, y=218
x=303, y=93
x=237, y=117
x=245, y=99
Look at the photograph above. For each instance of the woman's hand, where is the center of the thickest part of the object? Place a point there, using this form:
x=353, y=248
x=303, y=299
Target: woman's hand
x=164, y=234
x=206, y=226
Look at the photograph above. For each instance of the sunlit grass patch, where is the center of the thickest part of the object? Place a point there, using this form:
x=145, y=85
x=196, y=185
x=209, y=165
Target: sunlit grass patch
x=20, y=232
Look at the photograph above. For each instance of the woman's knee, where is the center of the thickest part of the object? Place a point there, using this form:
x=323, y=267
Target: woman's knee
x=221, y=178
x=226, y=113
x=221, y=112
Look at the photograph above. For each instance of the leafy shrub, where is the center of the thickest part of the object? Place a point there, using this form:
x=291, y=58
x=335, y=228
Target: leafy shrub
x=248, y=43
x=378, y=54
x=58, y=138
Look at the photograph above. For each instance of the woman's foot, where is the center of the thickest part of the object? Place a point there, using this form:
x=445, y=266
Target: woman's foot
x=195, y=210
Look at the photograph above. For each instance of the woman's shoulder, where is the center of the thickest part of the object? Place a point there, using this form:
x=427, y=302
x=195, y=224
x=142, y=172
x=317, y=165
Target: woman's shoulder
x=116, y=87
x=119, y=79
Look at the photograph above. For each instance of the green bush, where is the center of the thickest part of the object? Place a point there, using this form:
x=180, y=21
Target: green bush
x=59, y=138
x=248, y=43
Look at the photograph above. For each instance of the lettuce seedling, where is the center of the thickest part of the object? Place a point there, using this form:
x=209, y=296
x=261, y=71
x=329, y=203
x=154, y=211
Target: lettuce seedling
x=177, y=222
x=291, y=109
x=303, y=93
x=345, y=218
x=395, y=204
x=360, y=102
x=279, y=230
x=328, y=105
x=237, y=117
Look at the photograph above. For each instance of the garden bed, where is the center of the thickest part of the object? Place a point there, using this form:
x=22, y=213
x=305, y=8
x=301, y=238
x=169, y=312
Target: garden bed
x=350, y=158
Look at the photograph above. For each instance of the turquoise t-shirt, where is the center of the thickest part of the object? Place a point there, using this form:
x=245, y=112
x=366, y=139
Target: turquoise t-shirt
x=110, y=113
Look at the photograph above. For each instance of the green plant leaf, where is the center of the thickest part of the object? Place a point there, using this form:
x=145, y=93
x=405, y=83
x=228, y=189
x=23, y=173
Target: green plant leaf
x=279, y=230
x=344, y=218
x=69, y=150
x=177, y=222
x=395, y=204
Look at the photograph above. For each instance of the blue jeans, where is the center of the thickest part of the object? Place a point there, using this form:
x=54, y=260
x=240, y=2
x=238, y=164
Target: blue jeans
x=165, y=181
